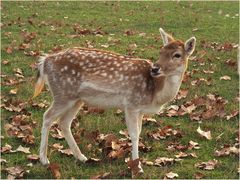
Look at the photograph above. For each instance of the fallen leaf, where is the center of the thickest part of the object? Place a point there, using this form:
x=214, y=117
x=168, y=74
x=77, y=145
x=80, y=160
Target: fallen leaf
x=208, y=71
x=206, y=134
x=58, y=135
x=33, y=157
x=210, y=165
x=3, y=160
x=13, y=91
x=231, y=63
x=193, y=145
x=182, y=93
x=116, y=154
x=171, y=175
x=16, y=172
x=57, y=146
x=149, y=120
x=55, y=170
x=118, y=112
x=133, y=165
x=232, y=114
x=105, y=175
x=148, y=163
x=28, y=139
x=181, y=155
x=93, y=160
x=198, y=175
x=7, y=148
x=9, y=50
x=68, y=152
x=124, y=133
x=5, y=62
x=163, y=161
x=30, y=164
x=225, y=78
x=23, y=149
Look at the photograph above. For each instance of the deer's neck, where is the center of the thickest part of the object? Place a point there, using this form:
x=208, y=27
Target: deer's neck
x=168, y=89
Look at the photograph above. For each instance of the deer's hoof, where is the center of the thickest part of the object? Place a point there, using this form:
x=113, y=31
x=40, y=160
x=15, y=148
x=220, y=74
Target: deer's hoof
x=82, y=158
x=44, y=161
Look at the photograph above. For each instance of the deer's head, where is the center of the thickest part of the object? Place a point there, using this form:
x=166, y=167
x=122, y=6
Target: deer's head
x=174, y=55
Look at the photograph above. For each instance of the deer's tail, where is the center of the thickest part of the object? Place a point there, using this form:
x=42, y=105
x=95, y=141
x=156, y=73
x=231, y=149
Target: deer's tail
x=40, y=77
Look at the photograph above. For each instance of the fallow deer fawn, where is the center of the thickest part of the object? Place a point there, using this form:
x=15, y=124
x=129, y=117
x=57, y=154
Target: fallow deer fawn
x=106, y=79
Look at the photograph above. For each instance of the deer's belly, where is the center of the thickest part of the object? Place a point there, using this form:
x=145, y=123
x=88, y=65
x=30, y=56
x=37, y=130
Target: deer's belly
x=151, y=109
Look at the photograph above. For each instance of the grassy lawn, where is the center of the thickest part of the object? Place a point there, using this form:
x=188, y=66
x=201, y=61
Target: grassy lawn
x=127, y=28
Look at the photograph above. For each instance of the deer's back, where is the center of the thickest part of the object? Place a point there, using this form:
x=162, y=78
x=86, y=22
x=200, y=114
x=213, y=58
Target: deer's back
x=98, y=77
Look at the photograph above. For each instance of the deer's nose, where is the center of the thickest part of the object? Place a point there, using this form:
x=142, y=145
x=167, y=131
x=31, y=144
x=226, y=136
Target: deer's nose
x=155, y=69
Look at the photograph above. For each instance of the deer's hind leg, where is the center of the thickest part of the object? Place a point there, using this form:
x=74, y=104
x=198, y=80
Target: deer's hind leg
x=65, y=122
x=52, y=114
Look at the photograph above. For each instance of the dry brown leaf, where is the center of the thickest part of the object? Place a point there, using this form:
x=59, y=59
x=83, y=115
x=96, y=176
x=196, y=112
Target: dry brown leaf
x=116, y=154
x=23, y=149
x=225, y=78
x=181, y=155
x=188, y=109
x=28, y=139
x=93, y=160
x=105, y=175
x=148, y=163
x=133, y=165
x=124, y=133
x=163, y=161
x=55, y=170
x=5, y=62
x=13, y=91
x=232, y=114
x=57, y=146
x=210, y=165
x=193, y=145
x=182, y=93
x=9, y=50
x=58, y=135
x=119, y=111
x=198, y=175
x=3, y=160
x=206, y=134
x=67, y=152
x=15, y=172
x=33, y=157
x=150, y=120
x=7, y=148
x=171, y=175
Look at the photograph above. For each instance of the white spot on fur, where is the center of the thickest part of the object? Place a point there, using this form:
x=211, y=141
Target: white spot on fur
x=73, y=71
x=69, y=80
x=121, y=77
x=104, y=74
x=65, y=67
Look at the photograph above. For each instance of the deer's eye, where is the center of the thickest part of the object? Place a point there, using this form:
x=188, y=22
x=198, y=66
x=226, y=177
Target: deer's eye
x=177, y=55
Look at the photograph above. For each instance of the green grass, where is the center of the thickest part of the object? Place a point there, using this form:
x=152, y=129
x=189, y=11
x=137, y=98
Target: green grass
x=115, y=18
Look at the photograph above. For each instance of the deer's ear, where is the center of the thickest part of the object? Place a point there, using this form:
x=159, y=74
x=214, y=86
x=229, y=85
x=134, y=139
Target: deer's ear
x=165, y=37
x=189, y=45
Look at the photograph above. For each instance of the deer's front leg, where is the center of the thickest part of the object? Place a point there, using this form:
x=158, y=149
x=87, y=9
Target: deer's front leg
x=132, y=120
